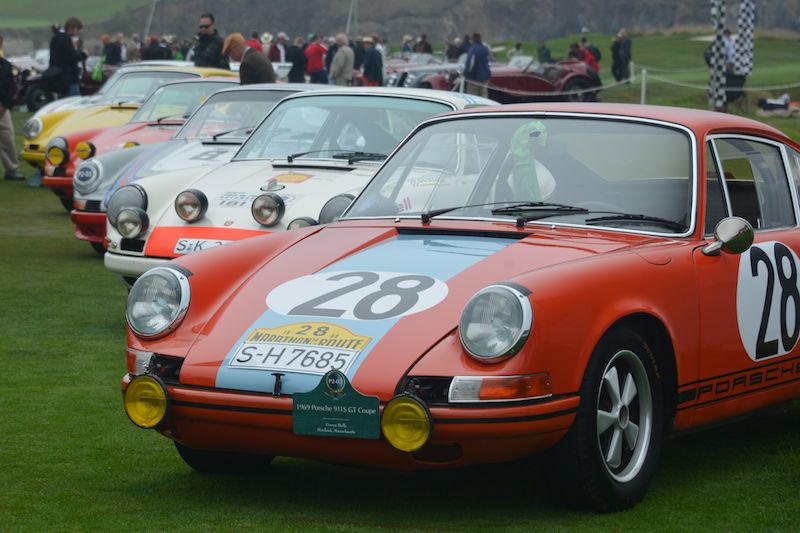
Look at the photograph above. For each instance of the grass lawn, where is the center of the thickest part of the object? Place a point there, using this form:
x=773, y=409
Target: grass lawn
x=21, y=14
x=70, y=460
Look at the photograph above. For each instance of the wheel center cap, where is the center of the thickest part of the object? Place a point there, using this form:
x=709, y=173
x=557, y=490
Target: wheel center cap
x=624, y=416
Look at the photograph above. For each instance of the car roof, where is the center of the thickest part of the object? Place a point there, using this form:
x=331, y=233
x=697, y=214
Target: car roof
x=296, y=87
x=702, y=122
x=457, y=99
x=202, y=71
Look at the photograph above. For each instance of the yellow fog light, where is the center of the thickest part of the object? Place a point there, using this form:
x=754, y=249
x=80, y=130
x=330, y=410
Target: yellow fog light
x=85, y=150
x=406, y=423
x=146, y=401
x=56, y=155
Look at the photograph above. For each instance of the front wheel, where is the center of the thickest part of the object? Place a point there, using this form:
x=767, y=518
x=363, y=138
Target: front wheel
x=209, y=462
x=37, y=96
x=576, y=91
x=607, y=459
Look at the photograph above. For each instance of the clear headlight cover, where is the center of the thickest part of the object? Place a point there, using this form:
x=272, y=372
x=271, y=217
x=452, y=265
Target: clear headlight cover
x=157, y=302
x=191, y=205
x=87, y=176
x=32, y=128
x=268, y=209
x=132, y=222
x=127, y=196
x=495, y=323
x=334, y=208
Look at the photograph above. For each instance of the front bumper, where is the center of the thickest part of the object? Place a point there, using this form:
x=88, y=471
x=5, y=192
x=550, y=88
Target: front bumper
x=260, y=423
x=131, y=266
x=62, y=187
x=33, y=156
x=89, y=226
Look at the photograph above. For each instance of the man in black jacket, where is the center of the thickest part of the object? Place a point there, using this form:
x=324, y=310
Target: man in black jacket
x=64, y=72
x=8, y=152
x=208, y=50
x=297, y=58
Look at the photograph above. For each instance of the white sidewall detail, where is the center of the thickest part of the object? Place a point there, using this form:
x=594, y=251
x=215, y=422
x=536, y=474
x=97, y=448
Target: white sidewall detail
x=751, y=294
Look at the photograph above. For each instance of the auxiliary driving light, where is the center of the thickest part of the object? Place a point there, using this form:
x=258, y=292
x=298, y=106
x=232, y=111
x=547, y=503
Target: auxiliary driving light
x=146, y=401
x=406, y=423
x=85, y=150
x=56, y=155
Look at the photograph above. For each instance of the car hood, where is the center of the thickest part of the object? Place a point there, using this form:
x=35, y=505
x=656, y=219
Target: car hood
x=96, y=116
x=294, y=292
x=138, y=132
x=231, y=189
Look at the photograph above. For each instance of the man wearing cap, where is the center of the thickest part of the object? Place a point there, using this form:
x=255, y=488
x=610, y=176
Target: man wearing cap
x=254, y=66
x=208, y=50
x=373, y=64
x=277, y=51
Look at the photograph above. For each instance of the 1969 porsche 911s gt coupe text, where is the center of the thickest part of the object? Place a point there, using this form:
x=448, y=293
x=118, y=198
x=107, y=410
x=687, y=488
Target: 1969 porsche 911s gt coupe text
x=574, y=278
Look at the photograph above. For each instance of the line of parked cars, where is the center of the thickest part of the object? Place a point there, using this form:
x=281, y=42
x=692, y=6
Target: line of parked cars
x=413, y=279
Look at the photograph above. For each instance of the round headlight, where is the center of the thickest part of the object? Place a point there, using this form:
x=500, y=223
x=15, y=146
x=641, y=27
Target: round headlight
x=302, y=222
x=406, y=423
x=268, y=209
x=87, y=176
x=146, y=401
x=157, y=303
x=495, y=323
x=127, y=196
x=132, y=222
x=32, y=128
x=191, y=205
x=85, y=150
x=334, y=208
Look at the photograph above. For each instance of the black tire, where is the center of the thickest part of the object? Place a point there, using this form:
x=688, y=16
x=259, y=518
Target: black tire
x=37, y=96
x=209, y=462
x=98, y=247
x=583, y=470
x=66, y=203
x=577, y=84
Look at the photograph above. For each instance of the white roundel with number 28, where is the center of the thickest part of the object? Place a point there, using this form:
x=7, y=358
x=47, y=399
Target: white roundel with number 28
x=357, y=295
x=768, y=300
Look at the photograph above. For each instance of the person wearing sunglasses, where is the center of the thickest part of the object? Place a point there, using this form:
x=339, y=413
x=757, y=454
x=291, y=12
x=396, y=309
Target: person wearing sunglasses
x=208, y=50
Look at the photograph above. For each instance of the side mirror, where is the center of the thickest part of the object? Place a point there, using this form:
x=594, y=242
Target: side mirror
x=733, y=235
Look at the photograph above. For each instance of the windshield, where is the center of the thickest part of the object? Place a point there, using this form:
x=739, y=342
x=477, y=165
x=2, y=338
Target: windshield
x=137, y=86
x=596, y=172
x=322, y=126
x=235, y=112
x=177, y=101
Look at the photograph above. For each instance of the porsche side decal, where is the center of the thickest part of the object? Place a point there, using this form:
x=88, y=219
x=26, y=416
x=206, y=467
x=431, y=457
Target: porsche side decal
x=364, y=295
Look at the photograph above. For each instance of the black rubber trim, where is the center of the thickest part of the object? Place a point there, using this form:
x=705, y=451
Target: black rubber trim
x=737, y=395
x=745, y=371
x=182, y=269
x=521, y=288
x=511, y=234
x=506, y=420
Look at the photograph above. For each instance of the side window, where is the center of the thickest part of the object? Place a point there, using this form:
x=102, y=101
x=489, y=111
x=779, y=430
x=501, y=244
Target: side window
x=715, y=195
x=794, y=163
x=757, y=184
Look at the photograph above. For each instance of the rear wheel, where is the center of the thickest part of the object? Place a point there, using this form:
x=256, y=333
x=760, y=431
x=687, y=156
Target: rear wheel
x=209, y=462
x=606, y=461
x=575, y=89
x=37, y=96
x=98, y=247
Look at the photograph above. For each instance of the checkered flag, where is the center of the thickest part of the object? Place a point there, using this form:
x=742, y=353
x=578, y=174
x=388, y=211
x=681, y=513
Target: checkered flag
x=716, y=82
x=743, y=51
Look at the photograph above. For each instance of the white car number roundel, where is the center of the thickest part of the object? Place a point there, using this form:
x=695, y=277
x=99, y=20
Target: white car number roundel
x=357, y=295
x=768, y=300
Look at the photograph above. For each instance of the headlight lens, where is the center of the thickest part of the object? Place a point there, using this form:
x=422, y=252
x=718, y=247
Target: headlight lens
x=302, y=222
x=132, y=222
x=32, y=128
x=57, y=151
x=191, y=205
x=85, y=150
x=410, y=79
x=146, y=401
x=334, y=208
x=87, y=176
x=495, y=323
x=127, y=196
x=157, y=302
x=268, y=209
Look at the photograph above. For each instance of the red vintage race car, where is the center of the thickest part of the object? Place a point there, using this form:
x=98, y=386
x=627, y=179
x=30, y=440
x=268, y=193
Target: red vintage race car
x=157, y=120
x=579, y=279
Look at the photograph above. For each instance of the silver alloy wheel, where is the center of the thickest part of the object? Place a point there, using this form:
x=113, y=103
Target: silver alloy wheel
x=624, y=416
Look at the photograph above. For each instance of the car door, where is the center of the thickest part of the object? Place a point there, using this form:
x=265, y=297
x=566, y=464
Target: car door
x=749, y=303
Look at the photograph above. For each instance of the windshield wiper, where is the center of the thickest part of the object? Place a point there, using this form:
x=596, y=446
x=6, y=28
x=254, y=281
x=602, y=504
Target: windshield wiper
x=634, y=217
x=358, y=156
x=537, y=210
x=517, y=207
x=220, y=134
x=292, y=157
x=165, y=117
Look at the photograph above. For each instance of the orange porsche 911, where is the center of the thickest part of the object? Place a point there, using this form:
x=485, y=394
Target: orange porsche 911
x=573, y=279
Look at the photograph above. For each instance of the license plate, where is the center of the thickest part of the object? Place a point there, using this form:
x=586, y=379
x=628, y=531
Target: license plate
x=188, y=246
x=292, y=358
